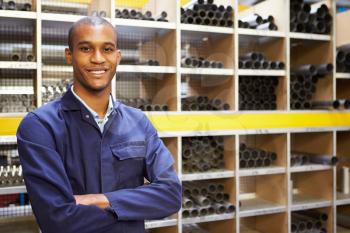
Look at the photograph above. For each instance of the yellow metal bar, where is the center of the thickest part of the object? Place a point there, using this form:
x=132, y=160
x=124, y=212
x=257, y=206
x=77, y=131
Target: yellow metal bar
x=236, y=121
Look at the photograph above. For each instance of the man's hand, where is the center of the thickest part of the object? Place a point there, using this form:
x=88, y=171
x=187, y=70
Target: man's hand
x=100, y=200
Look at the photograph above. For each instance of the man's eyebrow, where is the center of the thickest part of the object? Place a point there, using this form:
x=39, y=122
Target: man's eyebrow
x=105, y=43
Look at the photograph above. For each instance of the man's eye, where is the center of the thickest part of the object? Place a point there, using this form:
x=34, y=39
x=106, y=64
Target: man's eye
x=108, y=50
x=84, y=49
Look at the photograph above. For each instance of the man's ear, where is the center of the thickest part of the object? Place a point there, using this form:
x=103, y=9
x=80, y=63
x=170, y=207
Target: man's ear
x=119, y=56
x=68, y=55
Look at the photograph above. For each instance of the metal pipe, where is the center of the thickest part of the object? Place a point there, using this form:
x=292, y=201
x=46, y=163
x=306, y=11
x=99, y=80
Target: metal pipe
x=253, y=20
x=324, y=69
x=316, y=214
x=308, y=69
x=345, y=180
x=332, y=104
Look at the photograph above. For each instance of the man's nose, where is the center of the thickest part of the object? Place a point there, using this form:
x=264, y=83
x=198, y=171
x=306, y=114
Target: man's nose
x=97, y=57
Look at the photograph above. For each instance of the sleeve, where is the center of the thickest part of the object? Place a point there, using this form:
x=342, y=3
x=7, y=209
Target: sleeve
x=48, y=186
x=160, y=198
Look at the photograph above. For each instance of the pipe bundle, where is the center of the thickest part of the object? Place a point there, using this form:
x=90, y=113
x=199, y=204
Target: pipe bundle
x=16, y=103
x=309, y=221
x=253, y=157
x=303, y=158
x=144, y=104
x=11, y=175
x=205, y=12
x=257, y=93
x=133, y=14
x=202, y=154
x=54, y=91
x=303, y=85
x=256, y=21
x=343, y=59
x=201, y=198
x=305, y=19
x=12, y=5
x=257, y=60
x=200, y=62
x=203, y=103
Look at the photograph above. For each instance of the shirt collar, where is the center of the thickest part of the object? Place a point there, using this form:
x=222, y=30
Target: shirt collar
x=109, y=108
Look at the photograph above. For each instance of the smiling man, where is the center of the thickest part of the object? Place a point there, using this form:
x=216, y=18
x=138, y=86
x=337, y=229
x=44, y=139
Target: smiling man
x=85, y=156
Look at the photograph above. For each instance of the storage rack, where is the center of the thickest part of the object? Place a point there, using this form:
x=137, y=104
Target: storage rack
x=267, y=195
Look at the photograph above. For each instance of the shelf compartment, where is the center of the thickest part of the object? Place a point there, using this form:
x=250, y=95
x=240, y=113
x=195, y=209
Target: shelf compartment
x=209, y=46
x=342, y=140
x=323, y=216
x=263, y=194
x=155, y=88
x=264, y=9
x=342, y=89
x=265, y=223
x=208, y=155
x=273, y=143
x=225, y=225
x=343, y=212
x=215, y=87
x=258, y=206
x=171, y=144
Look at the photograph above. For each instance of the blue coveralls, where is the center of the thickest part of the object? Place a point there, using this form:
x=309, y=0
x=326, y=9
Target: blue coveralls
x=64, y=153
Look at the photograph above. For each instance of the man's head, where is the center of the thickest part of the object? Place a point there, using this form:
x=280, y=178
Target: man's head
x=93, y=53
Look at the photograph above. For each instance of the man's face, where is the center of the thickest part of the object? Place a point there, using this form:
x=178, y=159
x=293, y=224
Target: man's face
x=94, y=57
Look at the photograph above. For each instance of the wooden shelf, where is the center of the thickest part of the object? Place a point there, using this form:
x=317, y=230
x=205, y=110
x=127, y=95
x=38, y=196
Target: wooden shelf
x=149, y=224
x=143, y=24
x=304, y=202
x=146, y=69
x=254, y=32
x=16, y=211
x=10, y=139
x=61, y=17
x=207, y=71
x=258, y=206
x=18, y=65
x=18, y=14
x=342, y=75
x=309, y=36
x=16, y=90
x=206, y=29
x=262, y=171
x=208, y=175
x=343, y=199
x=310, y=168
x=208, y=218
x=253, y=72
x=13, y=190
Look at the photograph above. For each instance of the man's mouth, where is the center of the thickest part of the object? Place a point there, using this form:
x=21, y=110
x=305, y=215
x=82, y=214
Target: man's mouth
x=97, y=71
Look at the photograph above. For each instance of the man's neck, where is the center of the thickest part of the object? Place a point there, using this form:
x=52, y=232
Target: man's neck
x=96, y=101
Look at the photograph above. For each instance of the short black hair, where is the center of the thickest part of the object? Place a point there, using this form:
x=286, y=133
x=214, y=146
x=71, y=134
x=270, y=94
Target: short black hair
x=89, y=20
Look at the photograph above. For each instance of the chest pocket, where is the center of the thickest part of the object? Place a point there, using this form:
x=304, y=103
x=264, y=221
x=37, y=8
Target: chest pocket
x=128, y=161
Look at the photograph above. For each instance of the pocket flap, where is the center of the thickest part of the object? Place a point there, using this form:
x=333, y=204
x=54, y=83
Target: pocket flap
x=127, y=150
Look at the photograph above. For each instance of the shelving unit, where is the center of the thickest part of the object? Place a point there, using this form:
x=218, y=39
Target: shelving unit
x=264, y=197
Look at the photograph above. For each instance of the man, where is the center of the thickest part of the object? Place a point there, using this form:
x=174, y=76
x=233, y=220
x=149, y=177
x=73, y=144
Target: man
x=85, y=156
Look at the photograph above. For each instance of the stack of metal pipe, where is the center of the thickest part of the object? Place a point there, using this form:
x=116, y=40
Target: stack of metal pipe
x=257, y=60
x=304, y=18
x=205, y=12
x=303, y=86
x=16, y=103
x=309, y=221
x=256, y=21
x=134, y=14
x=12, y=5
x=144, y=104
x=343, y=59
x=200, y=62
x=201, y=198
x=193, y=228
x=54, y=91
x=298, y=158
x=203, y=103
x=253, y=157
x=202, y=154
x=11, y=175
x=257, y=93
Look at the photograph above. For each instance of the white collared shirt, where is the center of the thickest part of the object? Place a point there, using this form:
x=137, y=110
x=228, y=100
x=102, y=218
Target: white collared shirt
x=100, y=122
